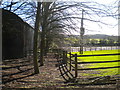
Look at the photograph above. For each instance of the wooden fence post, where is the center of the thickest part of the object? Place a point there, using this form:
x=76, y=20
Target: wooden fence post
x=70, y=61
x=64, y=57
x=94, y=48
x=76, y=73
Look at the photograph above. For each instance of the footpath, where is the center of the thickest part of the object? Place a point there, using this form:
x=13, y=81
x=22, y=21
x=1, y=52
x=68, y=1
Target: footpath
x=18, y=73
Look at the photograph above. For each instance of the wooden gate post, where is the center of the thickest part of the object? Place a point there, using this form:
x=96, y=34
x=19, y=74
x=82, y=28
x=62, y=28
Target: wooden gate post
x=76, y=67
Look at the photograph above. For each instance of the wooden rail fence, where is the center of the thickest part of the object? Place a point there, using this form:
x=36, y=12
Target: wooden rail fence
x=61, y=57
x=74, y=63
x=70, y=64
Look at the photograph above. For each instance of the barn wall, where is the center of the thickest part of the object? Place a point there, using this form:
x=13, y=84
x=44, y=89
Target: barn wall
x=17, y=36
x=28, y=39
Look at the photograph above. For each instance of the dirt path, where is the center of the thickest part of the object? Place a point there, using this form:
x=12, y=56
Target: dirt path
x=18, y=73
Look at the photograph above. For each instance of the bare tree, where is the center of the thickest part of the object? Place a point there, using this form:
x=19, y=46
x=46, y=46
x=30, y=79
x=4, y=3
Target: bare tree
x=58, y=18
x=35, y=49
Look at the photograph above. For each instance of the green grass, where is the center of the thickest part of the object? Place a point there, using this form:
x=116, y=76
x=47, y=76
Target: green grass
x=98, y=52
x=104, y=72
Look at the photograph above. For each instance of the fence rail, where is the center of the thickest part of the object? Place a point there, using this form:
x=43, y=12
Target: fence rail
x=97, y=68
x=96, y=62
x=90, y=48
x=97, y=55
x=75, y=62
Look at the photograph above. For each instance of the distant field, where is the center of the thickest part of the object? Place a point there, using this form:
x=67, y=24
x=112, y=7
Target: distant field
x=113, y=71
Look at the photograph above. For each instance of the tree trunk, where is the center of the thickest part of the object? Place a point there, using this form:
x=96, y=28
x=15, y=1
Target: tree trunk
x=42, y=46
x=37, y=25
x=47, y=44
x=43, y=33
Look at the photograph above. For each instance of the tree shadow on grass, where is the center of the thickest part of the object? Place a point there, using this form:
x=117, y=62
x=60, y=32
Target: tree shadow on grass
x=6, y=81
x=12, y=71
x=22, y=71
x=89, y=83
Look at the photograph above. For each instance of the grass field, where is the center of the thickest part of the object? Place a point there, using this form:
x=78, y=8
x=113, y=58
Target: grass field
x=104, y=72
